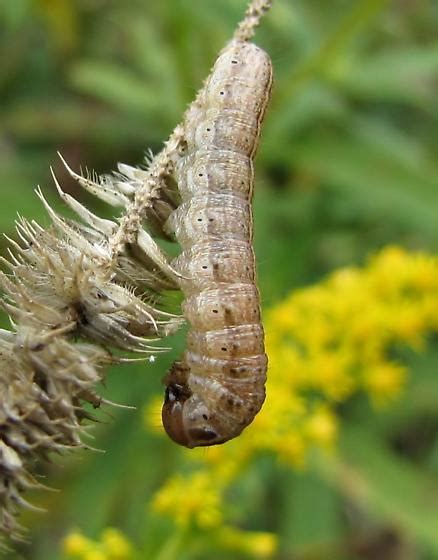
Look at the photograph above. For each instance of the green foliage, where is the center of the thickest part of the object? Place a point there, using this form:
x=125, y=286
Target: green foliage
x=347, y=165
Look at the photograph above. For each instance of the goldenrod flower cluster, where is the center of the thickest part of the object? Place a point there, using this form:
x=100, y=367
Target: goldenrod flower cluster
x=112, y=545
x=325, y=343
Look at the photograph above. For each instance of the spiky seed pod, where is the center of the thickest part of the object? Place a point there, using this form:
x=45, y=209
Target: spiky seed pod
x=60, y=291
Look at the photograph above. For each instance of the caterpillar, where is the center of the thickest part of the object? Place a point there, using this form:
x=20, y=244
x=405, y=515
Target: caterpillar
x=215, y=390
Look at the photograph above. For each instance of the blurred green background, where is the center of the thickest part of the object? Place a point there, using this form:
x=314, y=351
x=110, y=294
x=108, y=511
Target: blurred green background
x=347, y=165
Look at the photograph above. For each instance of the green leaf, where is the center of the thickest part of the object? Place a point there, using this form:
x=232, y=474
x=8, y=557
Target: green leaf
x=373, y=179
x=405, y=74
x=384, y=485
x=117, y=86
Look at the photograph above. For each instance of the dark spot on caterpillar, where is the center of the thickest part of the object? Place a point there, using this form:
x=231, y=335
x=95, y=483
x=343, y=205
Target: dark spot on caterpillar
x=239, y=369
x=208, y=129
x=224, y=349
x=199, y=219
x=202, y=435
x=215, y=311
x=205, y=417
x=200, y=174
x=234, y=62
x=204, y=266
x=222, y=92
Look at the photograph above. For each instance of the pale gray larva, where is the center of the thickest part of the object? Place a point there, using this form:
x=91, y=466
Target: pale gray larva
x=218, y=386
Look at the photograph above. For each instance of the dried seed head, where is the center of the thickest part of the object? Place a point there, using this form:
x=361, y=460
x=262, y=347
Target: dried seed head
x=62, y=286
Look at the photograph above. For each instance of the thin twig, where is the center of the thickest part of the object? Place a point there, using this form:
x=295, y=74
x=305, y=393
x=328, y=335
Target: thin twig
x=254, y=13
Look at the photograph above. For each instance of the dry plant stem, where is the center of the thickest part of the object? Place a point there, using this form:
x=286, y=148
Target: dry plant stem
x=163, y=164
x=253, y=15
x=160, y=167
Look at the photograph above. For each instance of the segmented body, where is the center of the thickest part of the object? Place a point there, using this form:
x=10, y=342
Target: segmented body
x=218, y=386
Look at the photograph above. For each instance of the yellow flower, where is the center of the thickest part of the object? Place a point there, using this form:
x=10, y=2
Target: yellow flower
x=261, y=544
x=152, y=415
x=385, y=381
x=193, y=499
x=76, y=544
x=95, y=554
x=113, y=546
x=290, y=448
x=329, y=372
x=410, y=325
x=116, y=544
x=257, y=544
x=322, y=427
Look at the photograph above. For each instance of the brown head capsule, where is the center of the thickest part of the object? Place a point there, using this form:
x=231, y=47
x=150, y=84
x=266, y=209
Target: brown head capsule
x=218, y=387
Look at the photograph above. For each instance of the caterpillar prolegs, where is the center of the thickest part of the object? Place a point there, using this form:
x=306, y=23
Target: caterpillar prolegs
x=218, y=386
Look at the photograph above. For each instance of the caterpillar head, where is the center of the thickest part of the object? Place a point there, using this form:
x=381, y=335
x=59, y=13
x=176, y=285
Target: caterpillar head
x=185, y=416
